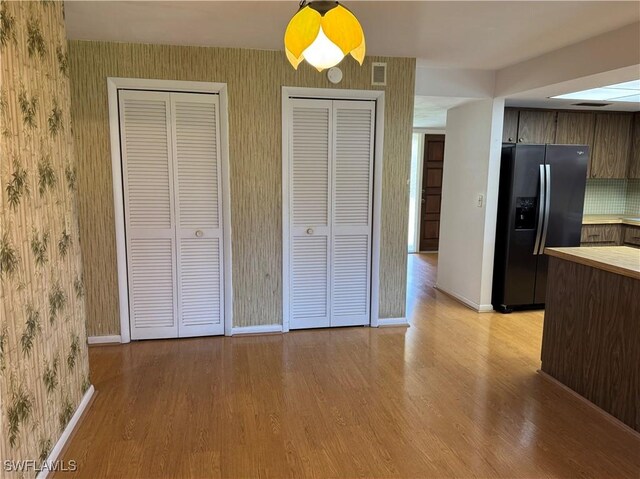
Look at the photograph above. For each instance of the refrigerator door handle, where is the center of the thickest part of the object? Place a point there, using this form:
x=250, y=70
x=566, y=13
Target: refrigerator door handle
x=547, y=202
x=541, y=198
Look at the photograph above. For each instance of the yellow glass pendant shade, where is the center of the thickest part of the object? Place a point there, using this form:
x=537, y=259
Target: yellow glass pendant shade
x=342, y=28
x=322, y=33
x=358, y=53
x=293, y=60
x=302, y=31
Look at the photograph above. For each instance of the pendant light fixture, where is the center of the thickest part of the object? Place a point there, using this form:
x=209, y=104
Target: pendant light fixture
x=323, y=33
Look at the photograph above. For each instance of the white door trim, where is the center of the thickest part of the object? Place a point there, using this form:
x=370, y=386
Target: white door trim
x=113, y=85
x=334, y=94
x=418, y=193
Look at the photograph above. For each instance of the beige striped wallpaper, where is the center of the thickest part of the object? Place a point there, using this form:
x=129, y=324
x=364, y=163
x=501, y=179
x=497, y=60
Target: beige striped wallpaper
x=254, y=79
x=44, y=368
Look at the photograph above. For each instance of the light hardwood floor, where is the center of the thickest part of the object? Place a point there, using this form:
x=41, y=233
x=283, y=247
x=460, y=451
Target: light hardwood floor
x=454, y=395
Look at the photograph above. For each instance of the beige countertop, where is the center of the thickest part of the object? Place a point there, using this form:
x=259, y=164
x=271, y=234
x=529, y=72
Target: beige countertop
x=609, y=219
x=615, y=259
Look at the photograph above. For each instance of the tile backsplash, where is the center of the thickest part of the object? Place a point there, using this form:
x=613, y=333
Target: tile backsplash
x=632, y=205
x=612, y=197
x=605, y=196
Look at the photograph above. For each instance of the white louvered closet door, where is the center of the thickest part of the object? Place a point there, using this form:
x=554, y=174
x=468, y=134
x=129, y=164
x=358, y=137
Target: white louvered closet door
x=198, y=191
x=173, y=213
x=145, y=127
x=330, y=219
x=354, y=123
x=310, y=213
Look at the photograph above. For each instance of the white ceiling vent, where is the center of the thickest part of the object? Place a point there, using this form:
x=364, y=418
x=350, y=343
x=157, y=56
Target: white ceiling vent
x=379, y=74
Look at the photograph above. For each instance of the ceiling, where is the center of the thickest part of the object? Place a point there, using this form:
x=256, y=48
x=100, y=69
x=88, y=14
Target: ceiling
x=543, y=97
x=484, y=35
x=431, y=111
x=561, y=104
x=476, y=35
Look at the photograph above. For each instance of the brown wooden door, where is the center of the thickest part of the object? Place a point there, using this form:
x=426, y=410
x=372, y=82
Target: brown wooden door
x=431, y=192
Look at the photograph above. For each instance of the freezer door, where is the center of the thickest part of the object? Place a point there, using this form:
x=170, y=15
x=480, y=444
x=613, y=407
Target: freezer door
x=566, y=171
x=518, y=226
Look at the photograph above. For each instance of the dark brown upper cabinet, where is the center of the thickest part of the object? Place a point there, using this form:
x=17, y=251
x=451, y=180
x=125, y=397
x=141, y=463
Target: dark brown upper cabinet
x=576, y=128
x=611, y=145
x=510, y=126
x=634, y=157
x=613, y=137
x=537, y=126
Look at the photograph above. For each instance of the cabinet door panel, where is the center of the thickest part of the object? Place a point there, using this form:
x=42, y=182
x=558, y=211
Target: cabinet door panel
x=612, y=142
x=611, y=234
x=510, y=125
x=576, y=128
x=537, y=126
x=632, y=235
x=634, y=158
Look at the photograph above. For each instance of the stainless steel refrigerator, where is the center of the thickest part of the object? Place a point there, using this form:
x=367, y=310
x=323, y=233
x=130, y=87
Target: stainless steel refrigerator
x=540, y=201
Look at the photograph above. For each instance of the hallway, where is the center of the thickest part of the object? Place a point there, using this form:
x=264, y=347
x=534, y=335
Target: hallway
x=454, y=395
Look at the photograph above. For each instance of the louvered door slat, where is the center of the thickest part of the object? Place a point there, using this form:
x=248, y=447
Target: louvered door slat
x=351, y=268
x=146, y=150
x=197, y=161
x=152, y=284
x=200, y=277
x=310, y=154
x=148, y=187
x=310, y=176
x=352, y=163
x=352, y=197
x=309, y=280
x=197, y=167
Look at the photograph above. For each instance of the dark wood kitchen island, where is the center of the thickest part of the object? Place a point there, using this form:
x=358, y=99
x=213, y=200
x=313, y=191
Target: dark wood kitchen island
x=591, y=334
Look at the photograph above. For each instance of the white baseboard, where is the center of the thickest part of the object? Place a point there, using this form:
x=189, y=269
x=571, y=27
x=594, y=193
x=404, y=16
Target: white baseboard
x=386, y=322
x=480, y=308
x=55, y=452
x=104, y=339
x=265, y=329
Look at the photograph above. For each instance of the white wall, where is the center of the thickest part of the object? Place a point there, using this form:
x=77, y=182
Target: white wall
x=467, y=232
x=454, y=82
x=611, y=51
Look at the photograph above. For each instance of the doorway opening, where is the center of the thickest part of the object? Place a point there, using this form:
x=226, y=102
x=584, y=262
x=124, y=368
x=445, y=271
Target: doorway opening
x=425, y=190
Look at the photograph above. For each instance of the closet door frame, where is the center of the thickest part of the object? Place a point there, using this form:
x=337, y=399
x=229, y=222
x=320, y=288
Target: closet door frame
x=115, y=84
x=378, y=96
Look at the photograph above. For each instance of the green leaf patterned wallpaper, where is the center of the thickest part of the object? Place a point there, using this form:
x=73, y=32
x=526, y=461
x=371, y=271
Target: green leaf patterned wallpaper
x=43, y=354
